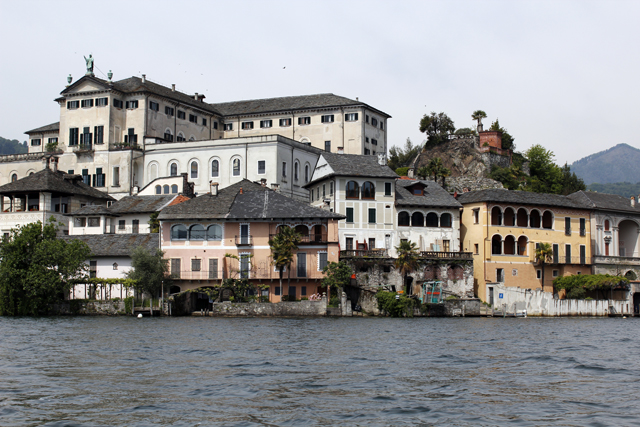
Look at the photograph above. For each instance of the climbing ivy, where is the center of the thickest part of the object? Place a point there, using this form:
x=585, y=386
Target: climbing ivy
x=578, y=285
x=402, y=306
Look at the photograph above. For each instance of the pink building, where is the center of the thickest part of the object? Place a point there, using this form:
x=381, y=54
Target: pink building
x=197, y=235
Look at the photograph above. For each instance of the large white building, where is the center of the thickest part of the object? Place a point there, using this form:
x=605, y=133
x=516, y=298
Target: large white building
x=119, y=135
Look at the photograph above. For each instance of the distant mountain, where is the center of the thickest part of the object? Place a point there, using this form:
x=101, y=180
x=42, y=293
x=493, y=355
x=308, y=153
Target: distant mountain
x=624, y=189
x=12, y=146
x=617, y=164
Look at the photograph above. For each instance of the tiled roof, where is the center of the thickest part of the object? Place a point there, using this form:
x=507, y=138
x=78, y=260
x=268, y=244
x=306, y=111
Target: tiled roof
x=93, y=210
x=605, y=201
x=53, y=182
x=355, y=165
x=519, y=197
x=103, y=245
x=48, y=128
x=434, y=195
x=255, y=202
x=287, y=103
x=141, y=204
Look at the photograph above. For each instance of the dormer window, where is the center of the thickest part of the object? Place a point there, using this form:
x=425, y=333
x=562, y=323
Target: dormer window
x=417, y=191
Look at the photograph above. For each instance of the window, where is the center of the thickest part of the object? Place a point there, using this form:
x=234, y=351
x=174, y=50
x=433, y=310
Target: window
x=366, y=139
x=204, y=122
x=556, y=253
x=85, y=177
x=404, y=219
x=85, y=137
x=94, y=222
x=247, y=125
x=476, y=248
x=194, y=170
x=349, y=214
x=476, y=216
x=195, y=265
x=500, y=274
x=387, y=188
x=74, y=136
x=567, y=252
x=99, y=178
x=174, y=189
x=296, y=170
x=285, y=122
x=215, y=168
x=228, y=126
x=193, y=118
x=173, y=169
x=302, y=264
x=538, y=274
x=154, y=106
x=372, y=215
x=583, y=254
x=71, y=172
x=284, y=169
x=304, y=120
x=381, y=125
x=175, y=267
x=351, y=117
x=306, y=173
x=213, y=268
x=182, y=115
x=366, y=118
x=331, y=188
x=179, y=232
x=567, y=226
x=80, y=222
x=102, y=102
x=214, y=232
x=277, y=291
x=606, y=225
x=169, y=111
x=117, y=103
x=131, y=104
x=583, y=227
x=35, y=142
x=244, y=266
x=180, y=137
x=236, y=167
x=374, y=121
x=116, y=176
x=266, y=123
x=93, y=269
x=352, y=190
x=52, y=140
x=368, y=191
x=131, y=137
x=196, y=232
x=446, y=246
x=98, y=132
x=327, y=118
x=158, y=189
x=554, y=273
x=445, y=220
x=367, y=151
x=135, y=226
x=349, y=243
x=432, y=219
x=168, y=136
x=262, y=167
x=322, y=260
x=86, y=103
x=72, y=105
x=374, y=141
x=165, y=189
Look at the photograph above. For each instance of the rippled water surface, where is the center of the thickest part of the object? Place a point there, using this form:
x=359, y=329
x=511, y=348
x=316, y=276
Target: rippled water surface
x=101, y=371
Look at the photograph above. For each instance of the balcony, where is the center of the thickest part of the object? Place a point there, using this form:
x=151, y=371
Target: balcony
x=83, y=148
x=615, y=260
x=198, y=275
x=310, y=239
x=576, y=260
x=118, y=146
x=463, y=256
x=244, y=240
x=363, y=253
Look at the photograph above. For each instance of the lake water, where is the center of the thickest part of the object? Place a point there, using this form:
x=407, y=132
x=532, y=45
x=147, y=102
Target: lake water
x=100, y=371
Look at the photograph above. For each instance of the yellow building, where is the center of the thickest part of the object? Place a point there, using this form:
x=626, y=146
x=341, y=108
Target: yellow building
x=502, y=229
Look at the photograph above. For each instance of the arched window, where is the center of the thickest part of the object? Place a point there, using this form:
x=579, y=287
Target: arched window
x=534, y=219
x=236, y=167
x=180, y=137
x=153, y=171
x=496, y=245
x=417, y=219
x=509, y=217
x=166, y=189
x=174, y=189
x=368, y=191
x=353, y=191
x=606, y=221
x=496, y=216
x=306, y=173
x=296, y=170
x=196, y=232
x=14, y=177
x=522, y=245
x=194, y=170
x=173, y=169
x=432, y=219
x=509, y=245
x=179, y=232
x=445, y=220
x=215, y=168
x=404, y=219
x=214, y=232
x=523, y=218
x=547, y=220
x=158, y=189
x=192, y=138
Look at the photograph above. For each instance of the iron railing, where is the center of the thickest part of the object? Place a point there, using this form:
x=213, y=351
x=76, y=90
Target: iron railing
x=447, y=255
x=244, y=240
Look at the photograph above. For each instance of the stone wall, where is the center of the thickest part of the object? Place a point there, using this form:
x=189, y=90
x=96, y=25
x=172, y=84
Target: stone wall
x=464, y=306
x=281, y=309
x=83, y=307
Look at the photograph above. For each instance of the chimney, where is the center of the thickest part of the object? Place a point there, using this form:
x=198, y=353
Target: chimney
x=173, y=87
x=214, y=188
x=241, y=190
x=357, y=99
x=195, y=96
x=633, y=201
x=54, y=164
x=134, y=190
x=382, y=159
x=275, y=187
x=45, y=163
x=144, y=78
x=263, y=182
x=340, y=150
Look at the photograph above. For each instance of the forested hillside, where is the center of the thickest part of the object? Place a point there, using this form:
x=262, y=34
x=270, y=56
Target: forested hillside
x=619, y=164
x=624, y=189
x=12, y=146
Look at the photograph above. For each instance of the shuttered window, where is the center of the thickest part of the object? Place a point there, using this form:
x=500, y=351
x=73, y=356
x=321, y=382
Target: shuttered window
x=213, y=268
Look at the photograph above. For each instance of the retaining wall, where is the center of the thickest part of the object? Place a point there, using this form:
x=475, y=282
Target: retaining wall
x=281, y=309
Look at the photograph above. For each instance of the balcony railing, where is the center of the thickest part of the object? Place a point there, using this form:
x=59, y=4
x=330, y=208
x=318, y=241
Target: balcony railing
x=198, y=275
x=244, y=240
x=578, y=260
x=124, y=146
x=355, y=253
x=83, y=148
x=310, y=239
x=447, y=255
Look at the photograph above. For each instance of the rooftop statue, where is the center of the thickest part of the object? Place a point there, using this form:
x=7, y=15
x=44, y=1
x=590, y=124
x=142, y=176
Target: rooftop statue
x=89, y=61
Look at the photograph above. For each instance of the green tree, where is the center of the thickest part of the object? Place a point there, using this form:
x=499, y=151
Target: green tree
x=283, y=245
x=478, y=115
x=465, y=131
x=337, y=275
x=149, y=270
x=511, y=177
x=507, y=139
x=154, y=222
x=37, y=269
x=436, y=169
x=407, y=261
x=402, y=157
x=545, y=175
x=570, y=181
x=544, y=255
x=437, y=127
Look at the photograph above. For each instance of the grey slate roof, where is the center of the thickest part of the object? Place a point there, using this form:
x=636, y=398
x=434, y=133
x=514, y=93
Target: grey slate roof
x=93, y=210
x=141, y=204
x=255, y=202
x=103, y=245
x=53, y=182
x=287, y=103
x=610, y=202
x=434, y=195
x=355, y=165
x=519, y=197
x=48, y=128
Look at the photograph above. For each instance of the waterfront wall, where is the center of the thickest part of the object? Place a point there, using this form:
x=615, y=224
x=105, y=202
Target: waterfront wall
x=82, y=307
x=281, y=309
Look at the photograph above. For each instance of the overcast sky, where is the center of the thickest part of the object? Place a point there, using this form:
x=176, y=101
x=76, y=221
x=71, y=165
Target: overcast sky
x=563, y=74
